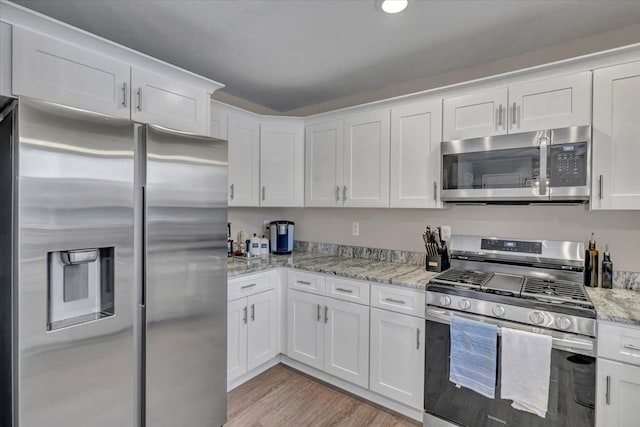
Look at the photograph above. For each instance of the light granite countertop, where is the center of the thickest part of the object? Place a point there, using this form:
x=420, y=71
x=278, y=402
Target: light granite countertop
x=616, y=305
x=399, y=274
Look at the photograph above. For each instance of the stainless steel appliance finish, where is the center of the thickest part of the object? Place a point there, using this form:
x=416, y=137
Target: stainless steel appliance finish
x=185, y=293
x=281, y=237
x=84, y=343
x=530, y=285
x=533, y=167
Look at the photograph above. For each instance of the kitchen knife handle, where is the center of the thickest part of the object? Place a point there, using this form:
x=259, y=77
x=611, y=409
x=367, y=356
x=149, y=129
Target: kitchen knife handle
x=600, y=187
x=139, y=99
x=125, y=92
x=253, y=312
x=319, y=314
x=607, y=395
x=232, y=192
x=326, y=314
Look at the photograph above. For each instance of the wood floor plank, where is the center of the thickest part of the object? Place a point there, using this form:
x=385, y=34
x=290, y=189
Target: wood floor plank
x=283, y=397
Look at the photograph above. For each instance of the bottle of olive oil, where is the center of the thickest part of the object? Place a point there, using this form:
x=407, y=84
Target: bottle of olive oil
x=591, y=264
x=607, y=270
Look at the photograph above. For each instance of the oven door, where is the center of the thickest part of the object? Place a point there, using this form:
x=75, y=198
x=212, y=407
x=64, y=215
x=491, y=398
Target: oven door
x=500, y=168
x=571, y=388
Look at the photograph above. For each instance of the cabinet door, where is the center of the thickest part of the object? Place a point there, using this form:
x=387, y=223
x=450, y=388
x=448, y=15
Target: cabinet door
x=324, y=164
x=616, y=138
x=282, y=165
x=244, y=161
x=48, y=69
x=416, y=133
x=305, y=328
x=397, y=357
x=552, y=103
x=168, y=102
x=618, y=394
x=346, y=341
x=237, y=318
x=475, y=115
x=262, y=340
x=366, y=160
x=218, y=127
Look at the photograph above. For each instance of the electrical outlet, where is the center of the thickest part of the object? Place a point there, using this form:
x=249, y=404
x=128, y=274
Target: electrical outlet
x=445, y=232
x=355, y=229
x=265, y=227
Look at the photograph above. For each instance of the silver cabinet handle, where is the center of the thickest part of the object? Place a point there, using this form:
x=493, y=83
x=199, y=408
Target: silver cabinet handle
x=319, y=315
x=344, y=193
x=337, y=193
x=263, y=191
x=607, y=395
x=302, y=282
x=247, y=286
x=417, y=338
x=500, y=115
x=326, y=314
x=397, y=301
x=253, y=312
x=600, y=187
x=435, y=191
x=244, y=317
x=514, y=117
x=231, y=192
x=632, y=347
x=125, y=92
x=348, y=291
x=139, y=99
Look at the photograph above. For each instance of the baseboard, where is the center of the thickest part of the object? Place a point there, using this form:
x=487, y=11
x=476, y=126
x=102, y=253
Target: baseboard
x=253, y=373
x=354, y=389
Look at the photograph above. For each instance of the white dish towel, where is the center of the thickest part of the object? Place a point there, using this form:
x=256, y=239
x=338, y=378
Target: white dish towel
x=526, y=368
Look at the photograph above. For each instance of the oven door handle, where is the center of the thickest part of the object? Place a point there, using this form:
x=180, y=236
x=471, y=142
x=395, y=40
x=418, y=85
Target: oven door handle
x=569, y=344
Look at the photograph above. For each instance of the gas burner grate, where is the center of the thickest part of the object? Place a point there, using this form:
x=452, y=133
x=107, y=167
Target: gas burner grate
x=555, y=291
x=464, y=277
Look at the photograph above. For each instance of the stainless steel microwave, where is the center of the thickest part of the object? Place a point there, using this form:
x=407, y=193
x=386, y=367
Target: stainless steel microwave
x=545, y=166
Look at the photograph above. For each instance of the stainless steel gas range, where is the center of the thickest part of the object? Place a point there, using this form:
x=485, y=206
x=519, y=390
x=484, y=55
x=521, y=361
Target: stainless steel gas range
x=531, y=285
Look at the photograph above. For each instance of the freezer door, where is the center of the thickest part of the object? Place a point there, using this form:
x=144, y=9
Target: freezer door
x=186, y=279
x=76, y=351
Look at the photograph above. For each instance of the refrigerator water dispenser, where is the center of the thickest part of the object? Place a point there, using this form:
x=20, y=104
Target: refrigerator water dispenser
x=81, y=286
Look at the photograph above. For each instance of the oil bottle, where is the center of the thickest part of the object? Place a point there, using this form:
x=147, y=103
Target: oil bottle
x=607, y=269
x=591, y=264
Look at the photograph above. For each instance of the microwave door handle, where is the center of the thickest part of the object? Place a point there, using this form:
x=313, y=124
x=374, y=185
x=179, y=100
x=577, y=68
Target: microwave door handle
x=544, y=153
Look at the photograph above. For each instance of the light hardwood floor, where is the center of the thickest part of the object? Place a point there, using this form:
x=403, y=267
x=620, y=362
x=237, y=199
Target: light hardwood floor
x=284, y=397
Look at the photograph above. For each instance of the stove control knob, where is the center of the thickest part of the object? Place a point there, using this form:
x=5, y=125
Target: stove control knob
x=536, y=317
x=464, y=304
x=563, y=322
x=445, y=300
x=499, y=310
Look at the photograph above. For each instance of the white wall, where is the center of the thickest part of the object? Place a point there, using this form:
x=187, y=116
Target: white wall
x=401, y=228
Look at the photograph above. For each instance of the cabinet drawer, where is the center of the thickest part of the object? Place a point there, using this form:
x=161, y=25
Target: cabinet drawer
x=249, y=285
x=306, y=282
x=619, y=343
x=401, y=300
x=348, y=290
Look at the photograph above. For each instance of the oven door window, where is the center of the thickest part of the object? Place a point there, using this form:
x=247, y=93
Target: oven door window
x=571, y=390
x=495, y=169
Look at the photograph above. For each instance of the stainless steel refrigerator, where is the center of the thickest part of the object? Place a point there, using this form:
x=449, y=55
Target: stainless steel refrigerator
x=112, y=271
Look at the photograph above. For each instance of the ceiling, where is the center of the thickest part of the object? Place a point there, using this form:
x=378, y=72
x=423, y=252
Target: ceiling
x=288, y=54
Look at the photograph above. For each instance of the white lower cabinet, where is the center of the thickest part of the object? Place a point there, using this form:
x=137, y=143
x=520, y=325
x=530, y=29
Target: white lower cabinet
x=618, y=394
x=397, y=357
x=329, y=335
x=236, y=338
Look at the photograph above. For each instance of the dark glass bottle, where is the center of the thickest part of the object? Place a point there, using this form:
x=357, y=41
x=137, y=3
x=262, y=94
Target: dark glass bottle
x=607, y=270
x=591, y=264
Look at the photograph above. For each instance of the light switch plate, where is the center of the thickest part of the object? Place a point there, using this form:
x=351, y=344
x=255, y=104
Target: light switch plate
x=355, y=229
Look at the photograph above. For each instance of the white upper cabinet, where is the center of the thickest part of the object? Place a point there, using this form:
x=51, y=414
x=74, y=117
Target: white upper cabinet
x=366, y=160
x=54, y=71
x=543, y=104
x=324, y=164
x=416, y=133
x=552, y=103
x=616, y=137
x=168, y=102
x=475, y=115
x=282, y=164
x=244, y=161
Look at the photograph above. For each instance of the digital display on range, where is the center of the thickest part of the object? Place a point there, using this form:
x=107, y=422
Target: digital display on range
x=511, y=246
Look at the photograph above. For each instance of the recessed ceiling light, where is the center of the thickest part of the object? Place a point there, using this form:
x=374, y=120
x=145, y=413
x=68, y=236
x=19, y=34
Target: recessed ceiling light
x=394, y=6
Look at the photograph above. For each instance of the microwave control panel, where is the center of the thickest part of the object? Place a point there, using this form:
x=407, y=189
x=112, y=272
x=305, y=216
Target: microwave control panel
x=568, y=165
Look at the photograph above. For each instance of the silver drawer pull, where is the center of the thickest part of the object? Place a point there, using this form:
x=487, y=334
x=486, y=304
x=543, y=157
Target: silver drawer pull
x=607, y=393
x=349, y=291
x=247, y=286
x=632, y=347
x=397, y=301
x=302, y=282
